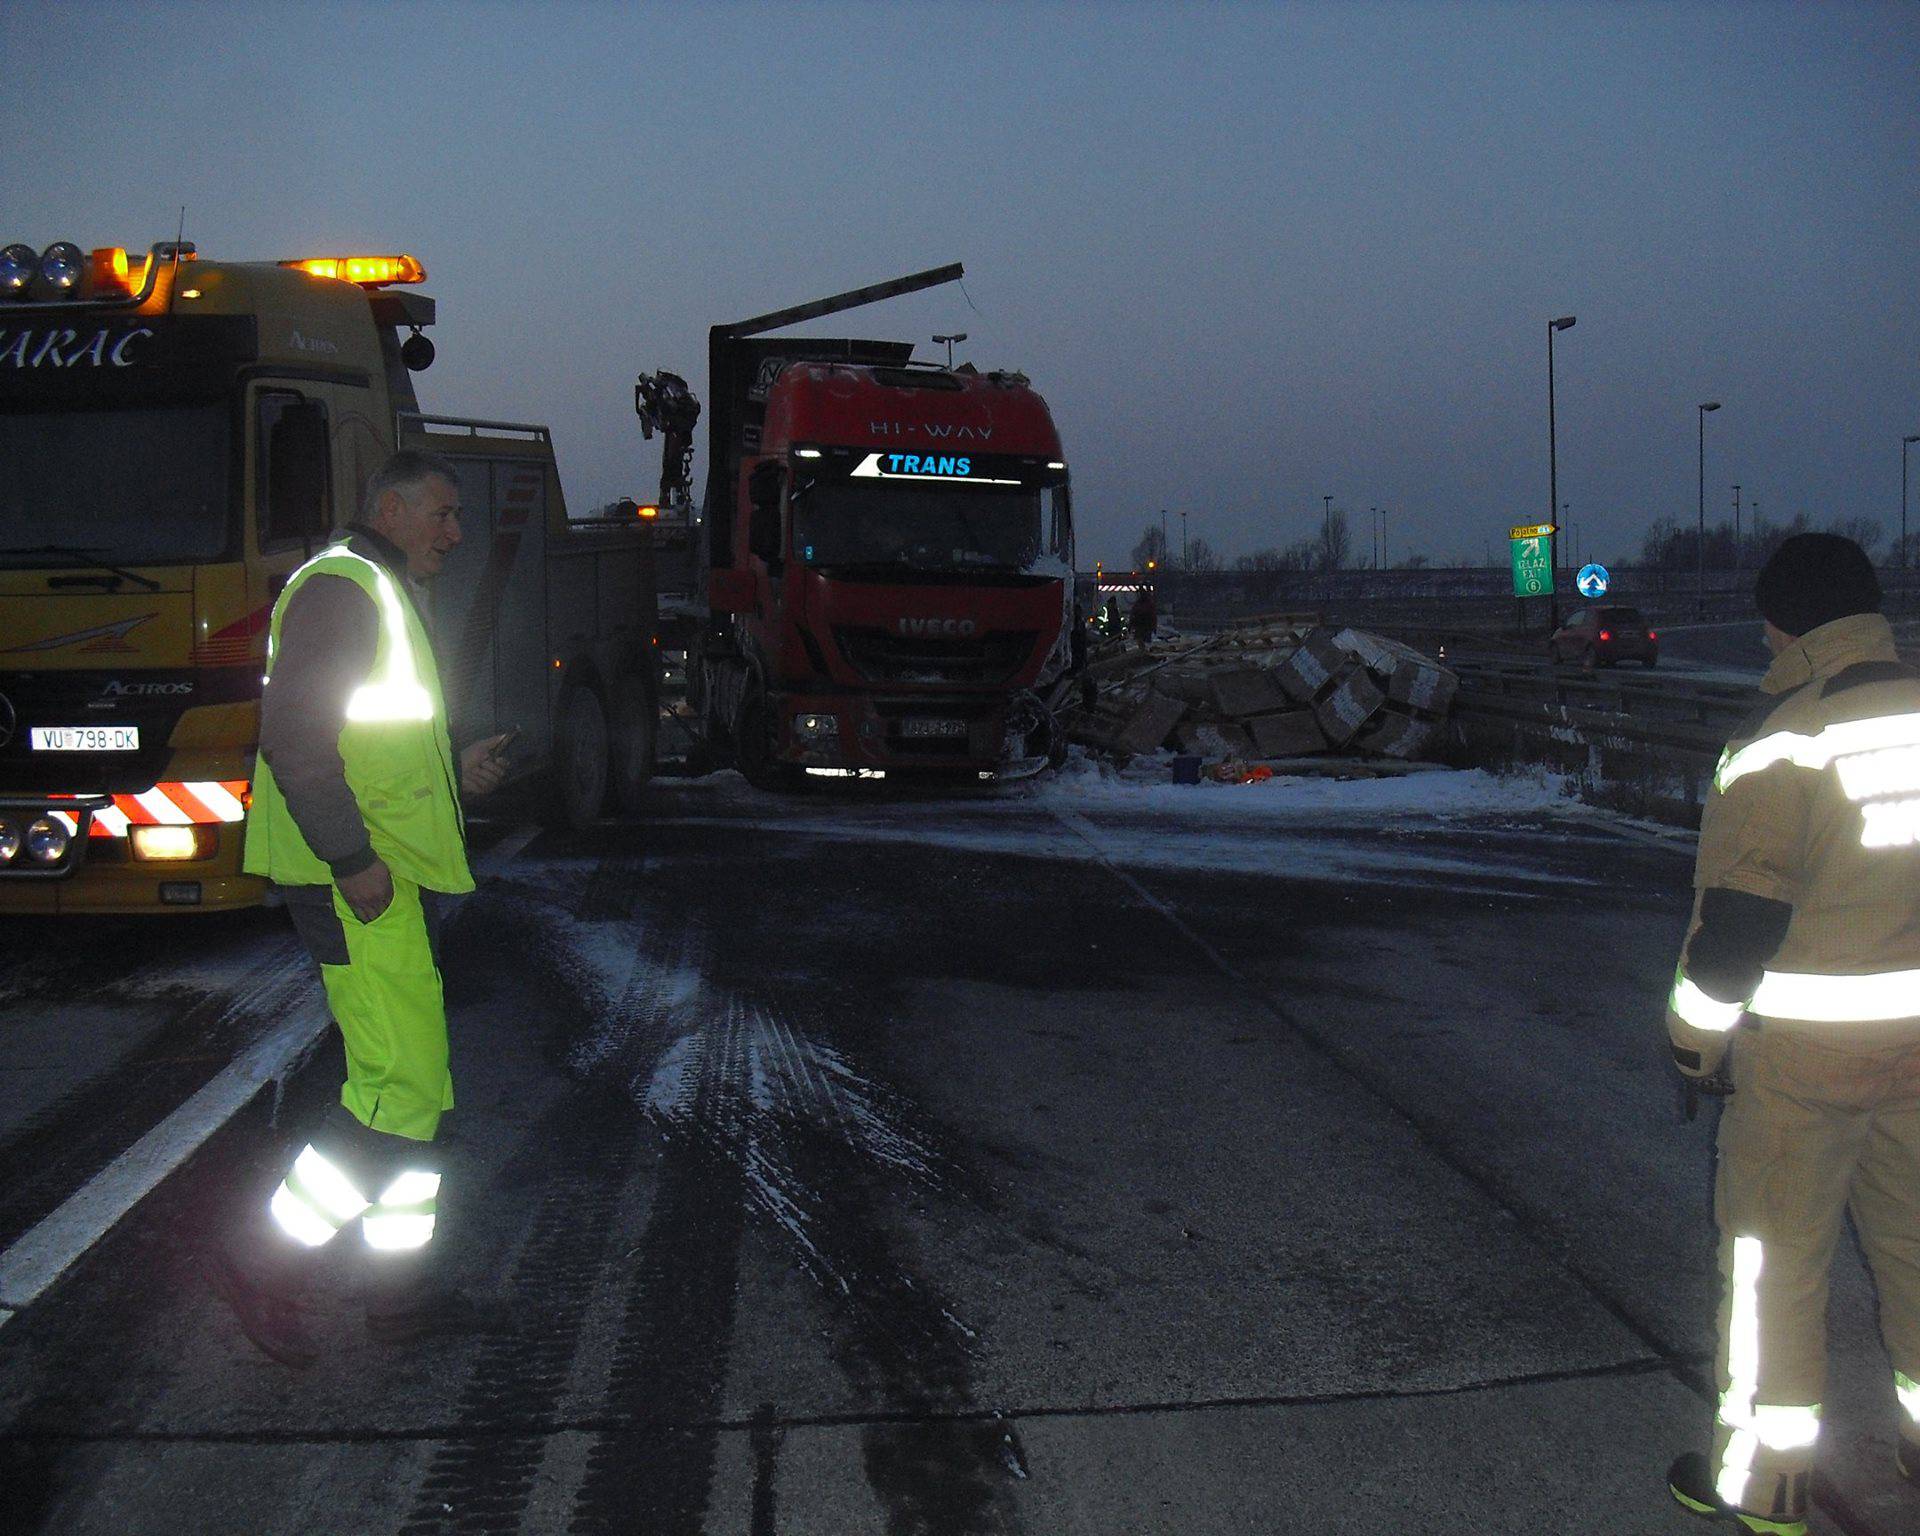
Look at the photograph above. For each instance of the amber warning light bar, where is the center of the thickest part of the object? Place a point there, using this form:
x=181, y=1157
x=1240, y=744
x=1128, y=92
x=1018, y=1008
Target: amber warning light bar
x=367, y=271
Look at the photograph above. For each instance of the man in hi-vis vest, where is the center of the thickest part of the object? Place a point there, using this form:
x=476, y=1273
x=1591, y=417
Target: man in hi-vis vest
x=356, y=820
x=1803, y=958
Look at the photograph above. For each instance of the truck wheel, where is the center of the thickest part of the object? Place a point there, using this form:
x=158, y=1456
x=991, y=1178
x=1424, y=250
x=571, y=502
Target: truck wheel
x=634, y=742
x=753, y=746
x=582, y=764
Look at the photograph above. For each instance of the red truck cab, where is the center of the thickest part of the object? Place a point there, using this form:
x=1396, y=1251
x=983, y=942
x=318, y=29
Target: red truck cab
x=900, y=569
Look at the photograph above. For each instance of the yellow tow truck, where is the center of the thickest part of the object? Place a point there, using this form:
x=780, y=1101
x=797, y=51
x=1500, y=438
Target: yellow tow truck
x=177, y=435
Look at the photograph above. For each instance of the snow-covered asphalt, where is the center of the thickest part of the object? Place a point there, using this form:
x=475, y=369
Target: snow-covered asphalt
x=1087, y=1155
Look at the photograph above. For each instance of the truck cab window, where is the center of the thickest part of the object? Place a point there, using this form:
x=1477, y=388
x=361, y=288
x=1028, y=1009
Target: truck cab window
x=294, y=480
x=763, y=527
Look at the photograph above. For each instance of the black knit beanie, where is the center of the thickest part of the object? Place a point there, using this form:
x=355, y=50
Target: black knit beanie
x=1813, y=579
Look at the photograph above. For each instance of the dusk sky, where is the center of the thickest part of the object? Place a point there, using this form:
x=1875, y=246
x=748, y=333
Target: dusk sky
x=1251, y=254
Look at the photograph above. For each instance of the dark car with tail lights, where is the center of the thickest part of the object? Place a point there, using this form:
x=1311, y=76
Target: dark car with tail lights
x=1600, y=637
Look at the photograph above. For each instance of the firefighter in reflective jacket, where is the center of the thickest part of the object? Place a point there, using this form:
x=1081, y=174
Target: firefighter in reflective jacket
x=1803, y=962
x=356, y=819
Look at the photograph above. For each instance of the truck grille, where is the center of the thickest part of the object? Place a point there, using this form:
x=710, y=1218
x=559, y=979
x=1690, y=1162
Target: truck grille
x=989, y=660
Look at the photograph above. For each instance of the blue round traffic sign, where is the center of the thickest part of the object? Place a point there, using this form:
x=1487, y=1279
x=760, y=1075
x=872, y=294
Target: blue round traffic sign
x=1593, y=581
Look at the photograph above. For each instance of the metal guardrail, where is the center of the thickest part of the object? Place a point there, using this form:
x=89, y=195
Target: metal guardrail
x=1690, y=718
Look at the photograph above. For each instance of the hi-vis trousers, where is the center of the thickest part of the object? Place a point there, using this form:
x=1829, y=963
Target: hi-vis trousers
x=368, y=1161
x=1815, y=1127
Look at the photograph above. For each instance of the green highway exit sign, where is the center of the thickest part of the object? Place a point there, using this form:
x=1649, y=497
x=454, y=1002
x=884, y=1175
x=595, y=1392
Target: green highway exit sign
x=1532, y=549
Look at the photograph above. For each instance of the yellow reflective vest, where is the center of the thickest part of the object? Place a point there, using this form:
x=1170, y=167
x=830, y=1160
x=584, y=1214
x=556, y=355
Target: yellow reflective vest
x=1816, y=805
x=393, y=741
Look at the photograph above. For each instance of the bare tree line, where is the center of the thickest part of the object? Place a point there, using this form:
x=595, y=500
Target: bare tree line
x=1669, y=544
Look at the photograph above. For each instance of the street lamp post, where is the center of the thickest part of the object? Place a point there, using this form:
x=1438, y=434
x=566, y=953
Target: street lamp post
x=1905, y=443
x=950, y=340
x=1186, y=560
x=1736, y=527
x=1383, y=538
x=1573, y=547
x=1565, y=322
x=1700, y=537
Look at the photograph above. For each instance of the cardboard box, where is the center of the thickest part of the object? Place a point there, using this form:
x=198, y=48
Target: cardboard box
x=1353, y=700
x=1312, y=668
x=1291, y=733
x=1242, y=691
x=1148, y=727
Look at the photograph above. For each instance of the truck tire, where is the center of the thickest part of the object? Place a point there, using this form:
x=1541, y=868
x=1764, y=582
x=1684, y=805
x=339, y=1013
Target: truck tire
x=582, y=762
x=635, y=738
x=753, y=746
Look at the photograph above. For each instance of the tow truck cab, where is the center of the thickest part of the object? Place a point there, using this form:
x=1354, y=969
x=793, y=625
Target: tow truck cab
x=900, y=557
x=177, y=436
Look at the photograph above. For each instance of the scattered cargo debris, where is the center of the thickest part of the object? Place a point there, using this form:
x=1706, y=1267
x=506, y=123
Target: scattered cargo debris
x=1265, y=691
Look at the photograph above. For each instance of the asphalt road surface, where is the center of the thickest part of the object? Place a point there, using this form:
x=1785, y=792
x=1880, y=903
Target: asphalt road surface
x=1082, y=1157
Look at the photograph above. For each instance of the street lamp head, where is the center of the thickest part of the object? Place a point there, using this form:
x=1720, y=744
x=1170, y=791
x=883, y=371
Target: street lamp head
x=1564, y=323
x=1914, y=439
x=1710, y=405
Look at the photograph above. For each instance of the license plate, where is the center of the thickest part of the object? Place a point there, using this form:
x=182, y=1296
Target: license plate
x=85, y=738
x=924, y=726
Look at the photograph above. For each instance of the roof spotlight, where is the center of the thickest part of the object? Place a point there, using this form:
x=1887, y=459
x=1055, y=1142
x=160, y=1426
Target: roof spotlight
x=17, y=266
x=61, y=265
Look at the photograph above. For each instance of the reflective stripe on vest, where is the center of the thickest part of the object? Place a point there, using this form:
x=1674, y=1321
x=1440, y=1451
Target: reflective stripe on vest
x=1880, y=734
x=1838, y=999
x=397, y=692
x=1702, y=1012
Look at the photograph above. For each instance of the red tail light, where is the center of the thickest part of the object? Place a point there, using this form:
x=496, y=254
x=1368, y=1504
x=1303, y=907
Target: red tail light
x=1651, y=635
x=1606, y=634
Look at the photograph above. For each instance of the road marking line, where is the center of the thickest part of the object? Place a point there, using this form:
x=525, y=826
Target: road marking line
x=40, y=1256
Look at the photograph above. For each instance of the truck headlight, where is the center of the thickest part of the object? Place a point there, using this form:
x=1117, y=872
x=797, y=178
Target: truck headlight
x=47, y=840
x=175, y=842
x=9, y=841
x=60, y=267
x=18, y=263
x=816, y=728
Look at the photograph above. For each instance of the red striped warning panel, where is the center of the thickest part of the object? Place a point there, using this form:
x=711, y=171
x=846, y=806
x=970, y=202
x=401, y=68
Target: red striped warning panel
x=166, y=805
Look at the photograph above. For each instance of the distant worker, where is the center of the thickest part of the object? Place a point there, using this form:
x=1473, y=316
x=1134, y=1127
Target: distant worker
x=1803, y=960
x=1144, y=619
x=356, y=821
x=1110, y=615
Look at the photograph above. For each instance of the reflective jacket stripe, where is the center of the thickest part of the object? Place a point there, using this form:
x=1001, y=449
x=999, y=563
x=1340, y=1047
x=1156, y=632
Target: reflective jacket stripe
x=1838, y=999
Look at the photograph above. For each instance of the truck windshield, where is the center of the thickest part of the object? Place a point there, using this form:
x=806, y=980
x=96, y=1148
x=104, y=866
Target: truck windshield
x=930, y=528
x=137, y=486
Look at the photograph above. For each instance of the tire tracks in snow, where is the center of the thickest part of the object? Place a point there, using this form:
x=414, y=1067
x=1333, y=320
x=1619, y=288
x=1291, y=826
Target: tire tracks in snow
x=761, y=1119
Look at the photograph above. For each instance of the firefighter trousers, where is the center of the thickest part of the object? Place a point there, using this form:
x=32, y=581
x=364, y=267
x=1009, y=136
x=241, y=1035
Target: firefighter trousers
x=1815, y=1128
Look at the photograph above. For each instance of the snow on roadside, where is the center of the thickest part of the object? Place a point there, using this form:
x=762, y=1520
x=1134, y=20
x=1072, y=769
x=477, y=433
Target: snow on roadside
x=1439, y=792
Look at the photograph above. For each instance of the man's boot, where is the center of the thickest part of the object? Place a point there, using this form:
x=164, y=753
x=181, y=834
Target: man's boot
x=266, y=1297
x=1690, y=1481
x=408, y=1300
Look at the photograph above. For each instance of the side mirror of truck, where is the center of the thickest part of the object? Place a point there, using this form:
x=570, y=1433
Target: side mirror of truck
x=730, y=591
